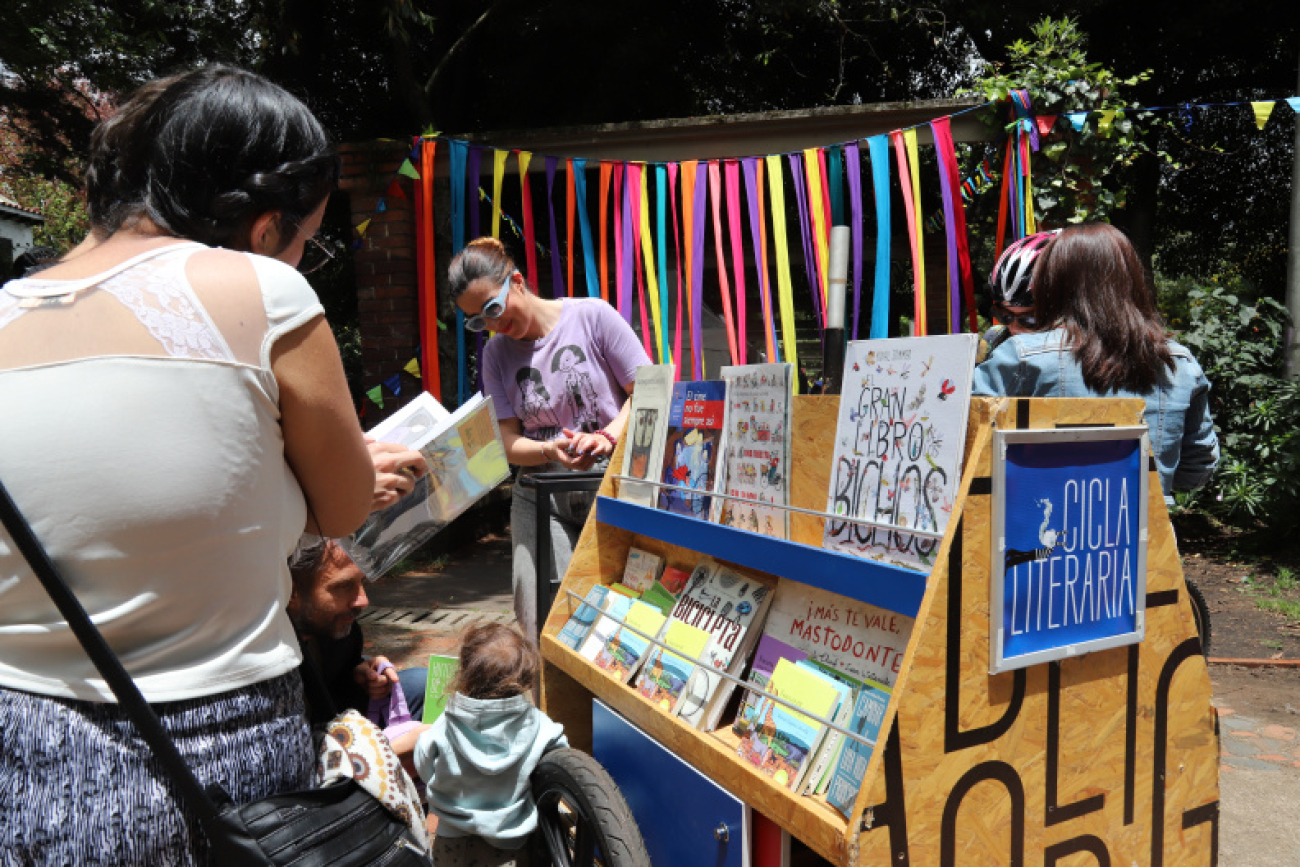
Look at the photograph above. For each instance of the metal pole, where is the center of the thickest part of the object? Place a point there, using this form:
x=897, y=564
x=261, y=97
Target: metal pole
x=1293, y=254
x=833, y=347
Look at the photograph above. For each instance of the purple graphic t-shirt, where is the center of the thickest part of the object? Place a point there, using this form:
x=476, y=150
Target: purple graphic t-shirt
x=571, y=378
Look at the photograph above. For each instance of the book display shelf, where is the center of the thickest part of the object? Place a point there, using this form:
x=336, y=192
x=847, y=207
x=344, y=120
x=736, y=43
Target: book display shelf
x=1108, y=757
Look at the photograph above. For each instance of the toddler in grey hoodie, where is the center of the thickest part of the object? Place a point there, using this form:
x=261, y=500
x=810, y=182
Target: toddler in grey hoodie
x=477, y=757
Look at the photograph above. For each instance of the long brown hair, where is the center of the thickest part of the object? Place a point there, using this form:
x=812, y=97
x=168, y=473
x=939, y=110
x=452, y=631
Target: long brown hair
x=495, y=662
x=1090, y=282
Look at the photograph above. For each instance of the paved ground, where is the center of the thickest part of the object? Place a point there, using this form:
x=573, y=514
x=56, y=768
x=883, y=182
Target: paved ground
x=1259, y=712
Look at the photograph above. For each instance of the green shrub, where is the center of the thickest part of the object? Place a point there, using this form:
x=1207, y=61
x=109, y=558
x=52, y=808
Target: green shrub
x=1241, y=346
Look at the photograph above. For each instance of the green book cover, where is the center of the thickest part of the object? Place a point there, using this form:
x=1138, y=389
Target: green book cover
x=441, y=671
x=660, y=598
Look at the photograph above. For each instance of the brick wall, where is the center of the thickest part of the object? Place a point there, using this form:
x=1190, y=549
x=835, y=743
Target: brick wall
x=387, y=299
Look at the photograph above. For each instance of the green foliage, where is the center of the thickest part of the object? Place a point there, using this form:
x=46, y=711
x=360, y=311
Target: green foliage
x=1077, y=175
x=1240, y=344
x=59, y=202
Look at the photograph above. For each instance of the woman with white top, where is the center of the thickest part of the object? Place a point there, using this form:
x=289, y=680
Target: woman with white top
x=175, y=415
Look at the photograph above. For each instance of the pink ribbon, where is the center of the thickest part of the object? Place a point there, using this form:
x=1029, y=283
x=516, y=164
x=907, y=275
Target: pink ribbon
x=737, y=251
x=715, y=190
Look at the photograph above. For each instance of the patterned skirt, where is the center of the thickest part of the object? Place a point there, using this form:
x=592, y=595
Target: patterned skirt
x=79, y=787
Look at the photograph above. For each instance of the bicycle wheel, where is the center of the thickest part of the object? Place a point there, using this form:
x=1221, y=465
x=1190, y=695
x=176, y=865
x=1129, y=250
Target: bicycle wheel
x=1201, y=614
x=582, y=819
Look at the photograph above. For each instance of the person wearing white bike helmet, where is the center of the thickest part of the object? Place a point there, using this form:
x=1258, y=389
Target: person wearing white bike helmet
x=1012, y=302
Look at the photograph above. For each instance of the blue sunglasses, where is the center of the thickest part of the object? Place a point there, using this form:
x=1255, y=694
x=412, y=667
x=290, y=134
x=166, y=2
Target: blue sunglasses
x=492, y=309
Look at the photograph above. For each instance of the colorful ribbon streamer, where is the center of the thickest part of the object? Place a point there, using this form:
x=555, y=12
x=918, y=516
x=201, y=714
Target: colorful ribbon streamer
x=959, y=273
x=697, y=273
x=569, y=205
x=498, y=180
x=557, y=276
x=459, y=150
x=785, y=289
x=715, y=191
x=584, y=226
x=523, y=158
x=732, y=173
x=426, y=269
x=853, y=159
x=753, y=168
x=878, y=147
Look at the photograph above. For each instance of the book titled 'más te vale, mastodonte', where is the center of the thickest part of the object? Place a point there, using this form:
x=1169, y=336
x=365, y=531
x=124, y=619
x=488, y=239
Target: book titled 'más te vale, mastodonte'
x=730, y=607
x=692, y=449
x=643, y=455
x=465, y=458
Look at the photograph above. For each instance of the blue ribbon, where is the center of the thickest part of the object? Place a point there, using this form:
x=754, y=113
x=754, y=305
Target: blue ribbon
x=584, y=224
x=661, y=238
x=834, y=179
x=879, y=149
x=458, y=150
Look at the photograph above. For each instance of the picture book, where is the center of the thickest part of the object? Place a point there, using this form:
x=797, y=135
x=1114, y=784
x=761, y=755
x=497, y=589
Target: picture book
x=437, y=686
x=856, y=638
x=770, y=651
x=898, y=446
x=674, y=579
x=756, y=460
x=647, y=429
x=665, y=673
x=851, y=767
x=730, y=607
x=820, y=766
x=625, y=649
x=694, y=442
x=616, y=605
x=579, y=623
x=465, y=458
x=779, y=740
x=642, y=570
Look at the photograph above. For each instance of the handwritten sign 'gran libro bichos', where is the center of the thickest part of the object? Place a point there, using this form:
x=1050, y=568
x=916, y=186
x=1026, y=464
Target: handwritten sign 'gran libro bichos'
x=1069, y=543
x=898, y=446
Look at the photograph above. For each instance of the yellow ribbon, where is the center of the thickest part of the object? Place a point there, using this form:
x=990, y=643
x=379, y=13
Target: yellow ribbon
x=652, y=281
x=913, y=165
x=786, y=288
x=817, y=206
x=498, y=178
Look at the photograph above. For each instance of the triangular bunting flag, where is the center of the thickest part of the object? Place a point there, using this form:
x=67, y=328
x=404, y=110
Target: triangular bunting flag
x=1104, y=122
x=1262, y=111
x=414, y=155
x=1078, y=119
x=381, y=207
x=377, y=395
x=363, y=226
x=408, y=170
x=394, y=383
x=395, y=190
x=1294, y=102
x=413, y=367
x=1045, y=123
x=356, y=245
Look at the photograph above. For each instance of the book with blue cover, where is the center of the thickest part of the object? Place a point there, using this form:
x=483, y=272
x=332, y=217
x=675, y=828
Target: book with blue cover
x=580, y=623
x=868, y=713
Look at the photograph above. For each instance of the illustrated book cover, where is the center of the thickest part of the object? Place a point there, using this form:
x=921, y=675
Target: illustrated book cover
x=616, y=605
x=820, y=767
x=647, y=428
x=466, y=459
x=625, y=649
x=851, y=767
x=665, y=672
x=437, y=686
x=780, y=740
x=641, y=570
x=693, y=447
x=580, y=622
x=856, y=638
x=771, y=650
x=898, y=448
x=730, y=607
x=756, y=460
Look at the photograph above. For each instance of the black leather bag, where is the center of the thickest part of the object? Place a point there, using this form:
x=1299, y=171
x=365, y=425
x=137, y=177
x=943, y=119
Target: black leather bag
x=341, y=825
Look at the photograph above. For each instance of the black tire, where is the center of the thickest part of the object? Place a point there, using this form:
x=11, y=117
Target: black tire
x=582, y=819
x=1201, y=614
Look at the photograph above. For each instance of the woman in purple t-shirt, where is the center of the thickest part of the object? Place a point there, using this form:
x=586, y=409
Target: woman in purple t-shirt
x=559, y=372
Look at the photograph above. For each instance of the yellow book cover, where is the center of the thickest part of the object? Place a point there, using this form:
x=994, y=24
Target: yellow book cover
x=780, y=740
x=625, y=649
x=665, y=673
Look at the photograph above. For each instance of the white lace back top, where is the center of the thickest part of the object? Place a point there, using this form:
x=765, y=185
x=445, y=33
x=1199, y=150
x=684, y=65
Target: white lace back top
x=140, y=436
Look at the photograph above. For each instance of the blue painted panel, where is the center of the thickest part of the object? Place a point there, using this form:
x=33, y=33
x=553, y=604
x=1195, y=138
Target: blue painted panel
x=676, y=807
x=890, y=587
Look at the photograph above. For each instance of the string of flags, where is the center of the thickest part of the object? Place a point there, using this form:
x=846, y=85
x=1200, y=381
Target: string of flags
x=639, y=201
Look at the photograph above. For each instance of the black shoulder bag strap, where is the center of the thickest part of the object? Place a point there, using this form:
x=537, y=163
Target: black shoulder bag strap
x=230, y=843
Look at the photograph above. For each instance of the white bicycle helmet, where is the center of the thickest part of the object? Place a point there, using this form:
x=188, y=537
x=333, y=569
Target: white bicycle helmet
x=1010, y=277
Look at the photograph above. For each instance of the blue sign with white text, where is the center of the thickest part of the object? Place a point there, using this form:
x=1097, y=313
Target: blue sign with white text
x=1073, y=529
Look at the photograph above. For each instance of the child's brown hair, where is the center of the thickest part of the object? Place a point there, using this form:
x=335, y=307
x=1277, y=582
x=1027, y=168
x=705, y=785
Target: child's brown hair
x=496, y=661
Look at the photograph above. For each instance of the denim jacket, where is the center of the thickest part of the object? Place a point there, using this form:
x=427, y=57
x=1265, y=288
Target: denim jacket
x=1177, y=414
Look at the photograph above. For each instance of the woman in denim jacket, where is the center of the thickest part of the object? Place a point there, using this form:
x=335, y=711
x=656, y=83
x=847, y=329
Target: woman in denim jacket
x=1101, y=336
